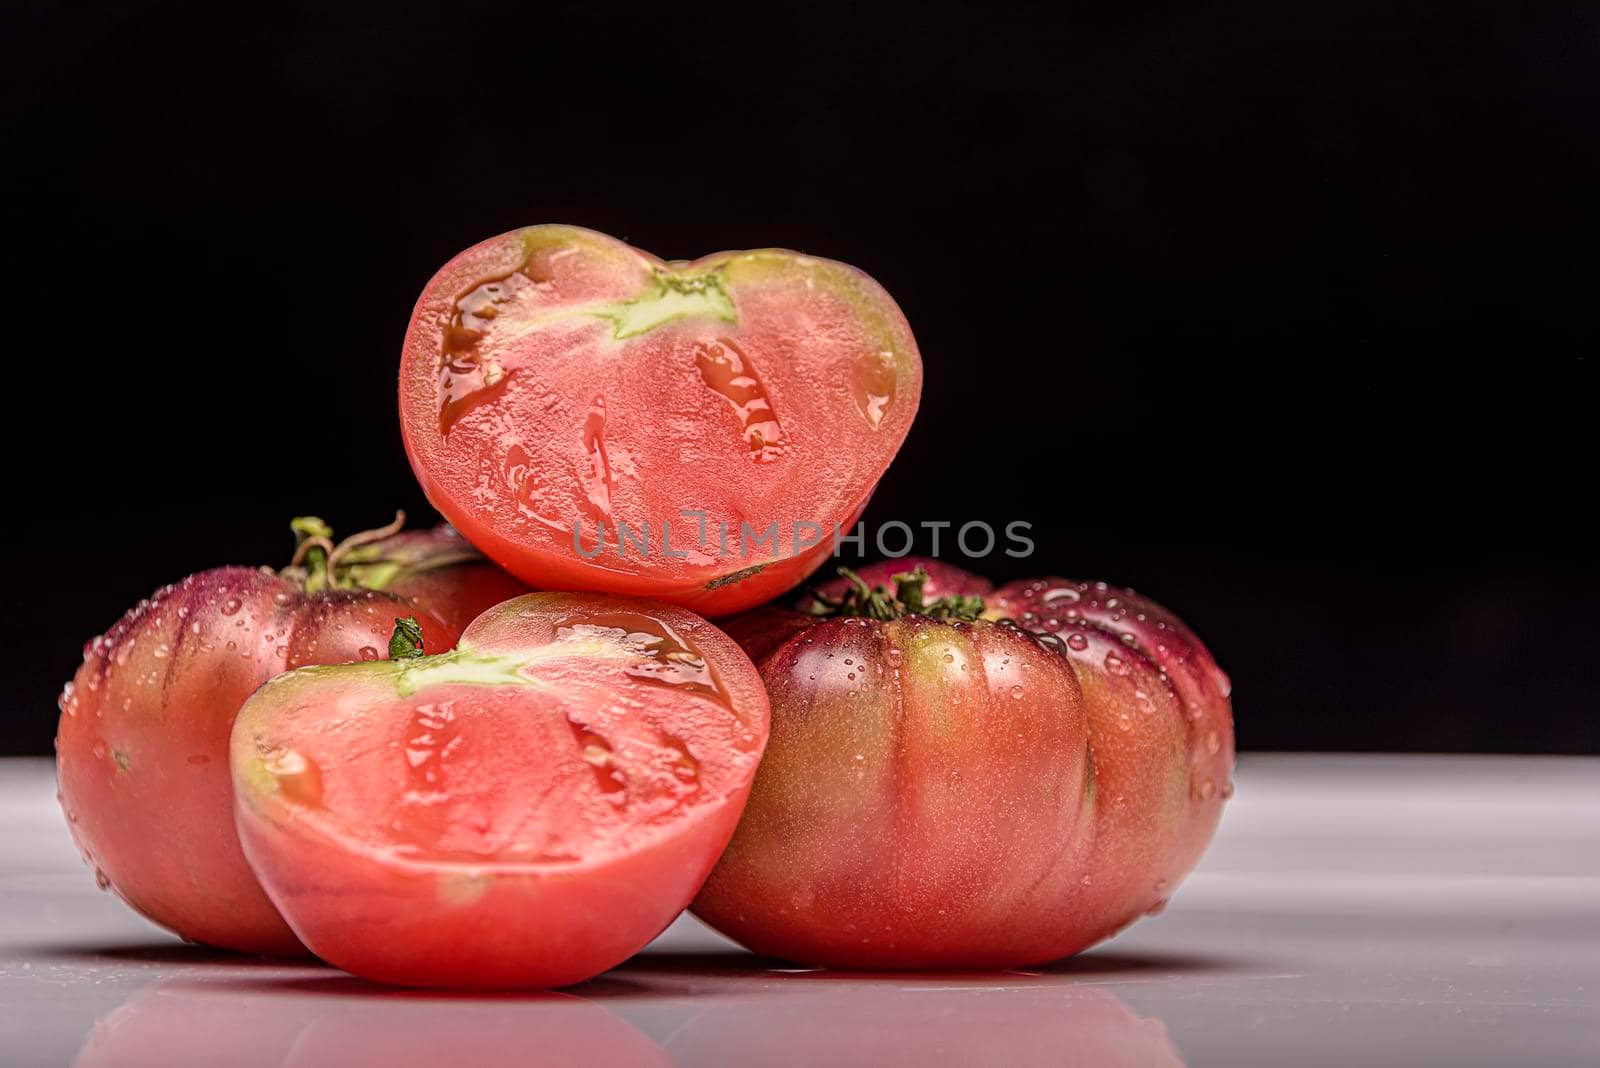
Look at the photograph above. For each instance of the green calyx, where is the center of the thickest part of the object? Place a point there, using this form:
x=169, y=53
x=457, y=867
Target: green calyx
x=318, y=564
x=906, y=599
x=406, y=641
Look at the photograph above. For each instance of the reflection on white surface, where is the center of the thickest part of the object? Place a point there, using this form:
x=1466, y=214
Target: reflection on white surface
x=1353, y=910
x=702, y=1011
x=289, y=1023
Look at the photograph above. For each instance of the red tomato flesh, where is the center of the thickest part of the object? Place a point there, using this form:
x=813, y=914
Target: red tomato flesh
x=527, y=810
x=555, y=376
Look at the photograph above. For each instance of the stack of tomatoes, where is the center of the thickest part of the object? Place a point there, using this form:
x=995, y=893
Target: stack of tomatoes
x=392, y=756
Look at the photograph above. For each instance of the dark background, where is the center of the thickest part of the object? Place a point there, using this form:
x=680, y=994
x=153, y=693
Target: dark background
x=1284, y=316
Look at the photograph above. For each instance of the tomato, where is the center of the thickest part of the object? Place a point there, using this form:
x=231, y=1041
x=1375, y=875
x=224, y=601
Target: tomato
x=527, y=810
x=728, y=411
x=142, y=745
x=949, y=786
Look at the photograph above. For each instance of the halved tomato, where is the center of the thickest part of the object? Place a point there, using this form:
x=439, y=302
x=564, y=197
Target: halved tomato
x=527, y=810
x=593, y=417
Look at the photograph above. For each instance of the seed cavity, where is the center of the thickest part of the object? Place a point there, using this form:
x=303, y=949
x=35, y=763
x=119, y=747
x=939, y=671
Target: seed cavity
x=727, y=371
x=298, y=777
x=872, y=384
x=596, y=481
x=469, y=377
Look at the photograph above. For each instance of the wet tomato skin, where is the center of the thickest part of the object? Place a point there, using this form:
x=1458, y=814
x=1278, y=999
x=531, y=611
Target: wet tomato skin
x=1011, y=813
x=141, y=748
x=1160, y=716
x=921, y=784
x=526, y=811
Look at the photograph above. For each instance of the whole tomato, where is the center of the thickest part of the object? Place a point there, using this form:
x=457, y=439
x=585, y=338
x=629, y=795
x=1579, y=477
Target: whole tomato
x=142, y=745
x=975, y=779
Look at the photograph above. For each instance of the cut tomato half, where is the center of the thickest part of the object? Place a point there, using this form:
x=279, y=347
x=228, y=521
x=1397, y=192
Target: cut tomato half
x=527, y=810
x=593, y=417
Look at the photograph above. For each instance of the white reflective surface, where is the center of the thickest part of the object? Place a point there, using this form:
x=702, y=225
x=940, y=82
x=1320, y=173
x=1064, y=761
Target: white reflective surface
x=1353, y=910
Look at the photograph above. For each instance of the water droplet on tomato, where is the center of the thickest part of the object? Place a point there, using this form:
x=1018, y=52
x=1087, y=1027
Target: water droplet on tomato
x=368, y=653
x=232, y=605
x=1213, y=742
x=1016, y=693
x=1208, y=790
x=1077, y=642
x=1227, y=790
x=1117, y=665
x=102, y=880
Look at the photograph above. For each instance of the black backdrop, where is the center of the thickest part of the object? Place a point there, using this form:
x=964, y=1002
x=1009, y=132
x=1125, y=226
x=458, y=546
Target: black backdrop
x=1279, y=315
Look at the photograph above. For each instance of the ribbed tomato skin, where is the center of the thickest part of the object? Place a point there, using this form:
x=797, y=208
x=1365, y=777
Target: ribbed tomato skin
x=1012, y=804
x=142, y=744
